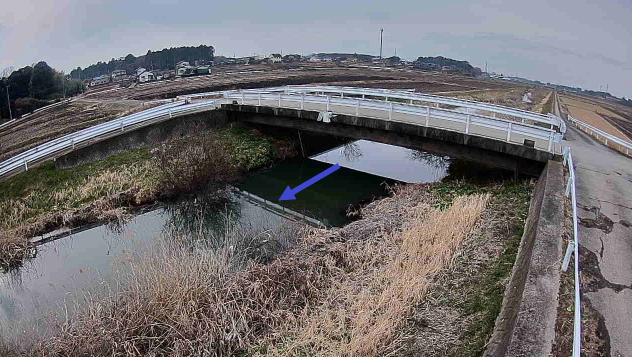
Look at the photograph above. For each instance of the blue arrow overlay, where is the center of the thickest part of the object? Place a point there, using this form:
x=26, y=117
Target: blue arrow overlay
x=289, y=193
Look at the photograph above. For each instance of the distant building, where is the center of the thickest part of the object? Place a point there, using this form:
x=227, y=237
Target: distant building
x=140, y=70
x=146, y=77
x=100, y=80
x=118, y=75
x=275, y=58
x=314, y=59
x=183, y=68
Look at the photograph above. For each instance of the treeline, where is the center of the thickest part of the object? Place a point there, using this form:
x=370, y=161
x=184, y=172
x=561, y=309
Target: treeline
x=159, y=60
x=34, y=87
x=462, y=66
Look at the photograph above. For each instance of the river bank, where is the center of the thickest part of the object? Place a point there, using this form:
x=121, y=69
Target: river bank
x=455, y=240
x=45, y=198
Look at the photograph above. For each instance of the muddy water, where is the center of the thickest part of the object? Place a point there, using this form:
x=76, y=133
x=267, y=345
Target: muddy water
x=54, y=280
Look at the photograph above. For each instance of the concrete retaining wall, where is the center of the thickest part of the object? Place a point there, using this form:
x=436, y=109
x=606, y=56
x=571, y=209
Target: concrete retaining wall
x=526, y=323
x=147, y=135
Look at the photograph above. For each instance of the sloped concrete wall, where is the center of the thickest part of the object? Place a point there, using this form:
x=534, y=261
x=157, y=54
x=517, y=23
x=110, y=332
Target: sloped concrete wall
x=526, y=323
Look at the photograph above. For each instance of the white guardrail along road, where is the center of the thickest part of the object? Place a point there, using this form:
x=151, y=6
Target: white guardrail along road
x=573, y=249
x=625, y=146
x=543, y=131
x=68, y=142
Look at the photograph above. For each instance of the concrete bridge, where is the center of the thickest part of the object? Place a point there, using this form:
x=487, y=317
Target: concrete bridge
x=499, y=136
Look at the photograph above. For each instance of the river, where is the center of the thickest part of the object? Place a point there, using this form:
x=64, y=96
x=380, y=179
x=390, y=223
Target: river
x=67, y=265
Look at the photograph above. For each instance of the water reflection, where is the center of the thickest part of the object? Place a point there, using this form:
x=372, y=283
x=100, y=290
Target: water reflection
x=390, y=161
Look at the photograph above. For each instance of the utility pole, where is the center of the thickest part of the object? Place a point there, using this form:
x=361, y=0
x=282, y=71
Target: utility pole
x=381, y=32
x=9, y=102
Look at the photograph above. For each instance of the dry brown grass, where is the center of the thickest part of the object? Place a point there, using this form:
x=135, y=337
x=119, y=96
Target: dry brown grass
x=343, y=292
x=384, y=278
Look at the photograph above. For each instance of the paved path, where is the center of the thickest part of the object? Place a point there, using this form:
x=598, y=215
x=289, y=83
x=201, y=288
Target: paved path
x=604, y=197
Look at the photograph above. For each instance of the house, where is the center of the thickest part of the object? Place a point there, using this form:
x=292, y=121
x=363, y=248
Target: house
x=118, y=75
x=314, y=59
x=275, y=58
x=140, y=70
x=146, y=77
x=183, y=68
x=100, y=80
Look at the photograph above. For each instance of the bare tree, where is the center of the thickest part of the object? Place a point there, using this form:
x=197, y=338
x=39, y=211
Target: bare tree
x=351, y=152
x=433, y=160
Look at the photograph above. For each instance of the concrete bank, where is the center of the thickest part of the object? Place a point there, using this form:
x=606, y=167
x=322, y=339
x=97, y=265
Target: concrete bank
x=526, y=323
x=134, y=138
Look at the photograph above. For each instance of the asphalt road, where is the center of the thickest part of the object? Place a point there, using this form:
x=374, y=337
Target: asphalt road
x=604, y=190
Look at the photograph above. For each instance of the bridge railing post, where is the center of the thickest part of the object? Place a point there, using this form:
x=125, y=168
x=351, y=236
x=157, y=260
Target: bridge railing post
x=390, y=111
x=26, y=165
x=302, y=101
x=427, y=115
x=358, y=108
x=467, y=125
x=509, y=132
x=259, y=98
x=279, y=100
x=328, y=99
x=551, y=141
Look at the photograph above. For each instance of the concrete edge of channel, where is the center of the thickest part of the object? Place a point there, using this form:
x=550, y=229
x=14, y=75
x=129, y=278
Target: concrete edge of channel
x=526, y=323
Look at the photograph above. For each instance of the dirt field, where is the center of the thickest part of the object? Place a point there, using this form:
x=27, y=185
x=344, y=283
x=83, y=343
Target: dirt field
x=596, y=114
x=96, y=107
x=248, y=77
x=60, y=121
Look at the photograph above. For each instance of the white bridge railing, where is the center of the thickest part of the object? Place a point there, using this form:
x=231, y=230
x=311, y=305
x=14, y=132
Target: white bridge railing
x=544, y=136
x=573, y=249
x=71, y=141
x=624, y=146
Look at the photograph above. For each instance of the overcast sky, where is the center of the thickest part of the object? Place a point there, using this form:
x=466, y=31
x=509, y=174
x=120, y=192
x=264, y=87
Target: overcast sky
x=585, y=44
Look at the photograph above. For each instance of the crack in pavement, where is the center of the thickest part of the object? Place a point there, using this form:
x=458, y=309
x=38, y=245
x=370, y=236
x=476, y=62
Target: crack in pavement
x=591, y=271
x=587, y=169
x=608, y=202
x=601, y=221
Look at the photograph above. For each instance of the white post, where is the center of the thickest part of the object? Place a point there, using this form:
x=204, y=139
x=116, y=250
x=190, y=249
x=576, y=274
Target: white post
x=358, y=108
x=551, y=142
x=411, y=102
x=568, y=185
x=279, y=100
x=26, y=166
x=302, y=100
x=124, y=129
x=606, y=141
x=362, y=96
x=509, y=133
x=467, y=125
x=259, y=98
x=390, y=111
x=567, y=256
x=328, y=97
x=170, y=115
x=242, y=98
x=386, y=98
x=427, y=115
x=73, y=143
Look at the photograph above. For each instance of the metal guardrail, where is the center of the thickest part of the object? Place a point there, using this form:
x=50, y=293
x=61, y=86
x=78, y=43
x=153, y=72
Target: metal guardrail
x=523, y=115
x=407, y=95
x=573, y=249
x=422, y=113
x=608, y=137
x=71, y=141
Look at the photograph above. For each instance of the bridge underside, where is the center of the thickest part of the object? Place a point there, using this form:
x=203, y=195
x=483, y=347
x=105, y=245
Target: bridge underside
x=495, y=153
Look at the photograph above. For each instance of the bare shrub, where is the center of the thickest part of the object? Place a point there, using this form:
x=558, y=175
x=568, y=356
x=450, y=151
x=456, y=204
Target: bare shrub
x=194, y=163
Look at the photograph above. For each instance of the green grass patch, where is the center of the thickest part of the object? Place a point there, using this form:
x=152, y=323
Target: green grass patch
x=49, y=179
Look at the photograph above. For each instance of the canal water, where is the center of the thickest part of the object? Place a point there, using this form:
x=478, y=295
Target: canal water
x=64, y=267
